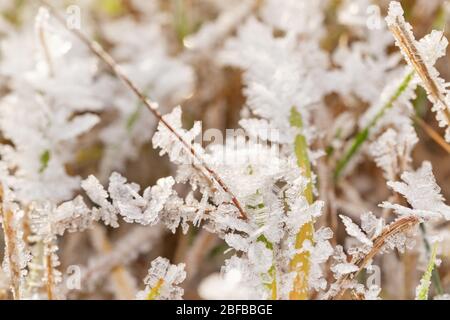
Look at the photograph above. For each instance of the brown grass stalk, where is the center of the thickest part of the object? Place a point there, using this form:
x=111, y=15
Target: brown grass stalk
x=407, y=45
x=436, y=137
x=399, y=226
x=49, y=273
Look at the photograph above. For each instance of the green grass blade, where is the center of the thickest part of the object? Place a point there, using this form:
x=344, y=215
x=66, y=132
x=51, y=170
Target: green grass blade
x=424, y=286
x=362, y=136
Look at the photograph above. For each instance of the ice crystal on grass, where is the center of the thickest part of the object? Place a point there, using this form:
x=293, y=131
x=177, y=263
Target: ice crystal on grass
x=305, y=84
x=320, y=252
x=422, y=192
x=392, y=150
x=372, y=225
x=50, y=104
x=165, y=139
x=71, y=216
x=123, y=199
x=365, y=65
x=343, y=269
x=422, y=57
x=424, y=287
x=132, y=206
x=16, y=254
x=99, y=196
x=164, y=78
x=272, y=98
x=162, y=281
x=354, y=231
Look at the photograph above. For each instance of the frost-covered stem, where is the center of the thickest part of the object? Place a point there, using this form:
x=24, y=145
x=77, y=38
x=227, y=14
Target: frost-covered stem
x=362, y=135
x=49, y=273
x=9, y=235
x=300, y=263
x=36, y=271
x=399, y=226
x=272, y=271
x=98, y=50
x=407, y=45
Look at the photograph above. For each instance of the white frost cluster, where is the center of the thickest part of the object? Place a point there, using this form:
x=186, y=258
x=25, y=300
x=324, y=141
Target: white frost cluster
x=294, y=69
x=423, y=194
x=162, y=281
x=427, y=54
x=267, y=195
x=123, y=199
x=54, y=95
x=392, y=150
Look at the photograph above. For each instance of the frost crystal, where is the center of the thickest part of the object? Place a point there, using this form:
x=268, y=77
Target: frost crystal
x=422, y=192
x=272, y=98
x=162, y=281
x=392, y=150
x=422, y=56
x=354, y=231
x=72, y=216
x=99, y=196
x=305, y=85
x=320, y=253
x=170, y=144
x=124, y=199
x=16, y=252
x=343, y=269
x=50, y=104
x=371, y=225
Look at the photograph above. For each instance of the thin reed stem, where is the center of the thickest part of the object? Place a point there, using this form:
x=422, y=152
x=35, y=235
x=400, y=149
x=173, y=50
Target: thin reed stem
x=432, y=133
x=9, y=235
x=399, y=226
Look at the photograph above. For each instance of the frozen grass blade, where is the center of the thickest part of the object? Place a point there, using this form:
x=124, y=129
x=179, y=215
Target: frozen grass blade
x=155, y=291
x=434, y=275
x=9, y=235
x=300, y=263
x=424, y=287
x=429, y=76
